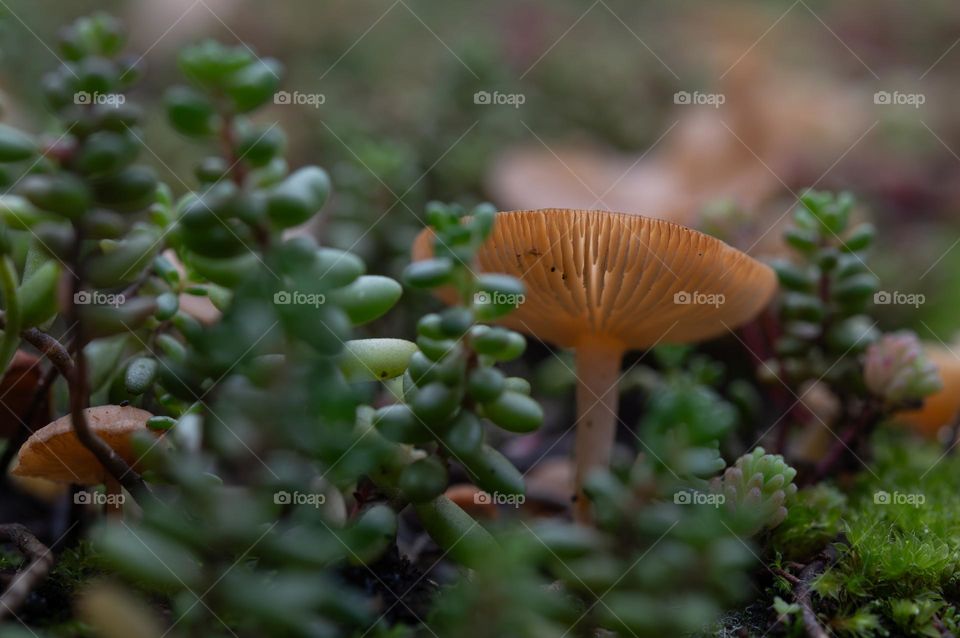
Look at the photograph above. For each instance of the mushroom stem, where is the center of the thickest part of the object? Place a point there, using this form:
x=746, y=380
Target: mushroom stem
x=114, y=505
x=598, y=371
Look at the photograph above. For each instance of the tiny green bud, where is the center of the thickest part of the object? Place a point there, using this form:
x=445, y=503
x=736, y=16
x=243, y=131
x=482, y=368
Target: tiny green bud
x=140, y=375
x=161, y=423
x=397, y=423
x=423, y=480
x=860, y=238
x=791, y=276
x=454, y=322
x=857, y=288
x=190, y=112
x=167, y=306
x=429, y=326
x=434, y=404
x=465, y=435
x=15, y=146
x=428, y=273
x=514, y=412
x=485, y=384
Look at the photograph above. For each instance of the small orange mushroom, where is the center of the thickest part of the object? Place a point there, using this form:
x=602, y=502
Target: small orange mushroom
x=55, y=453
x=17, y=389
x=603, y=283
x=943, y=407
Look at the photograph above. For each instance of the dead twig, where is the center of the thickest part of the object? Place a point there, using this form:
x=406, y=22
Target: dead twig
x=41, y=561
x=782, y=573
x=801, y=594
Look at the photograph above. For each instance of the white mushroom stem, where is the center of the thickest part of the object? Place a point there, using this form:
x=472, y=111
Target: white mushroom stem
x=598, y=374
x=114, y=505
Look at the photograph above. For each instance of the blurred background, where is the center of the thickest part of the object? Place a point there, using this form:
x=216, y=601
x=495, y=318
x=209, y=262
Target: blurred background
x=715, y=115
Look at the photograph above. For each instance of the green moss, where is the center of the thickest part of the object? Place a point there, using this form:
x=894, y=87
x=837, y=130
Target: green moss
x=896, y=539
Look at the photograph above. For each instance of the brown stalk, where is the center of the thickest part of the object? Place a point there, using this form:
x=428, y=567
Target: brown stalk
x=801, y=594
x=41, y=560
x=76, y=377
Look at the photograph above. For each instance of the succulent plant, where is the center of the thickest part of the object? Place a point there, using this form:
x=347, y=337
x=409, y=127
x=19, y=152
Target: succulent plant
x=897, y=370
x=646, y=555
x=288, y=473
x=756, y=489
x=682, y=428
x=827, y=288
x=453, y=386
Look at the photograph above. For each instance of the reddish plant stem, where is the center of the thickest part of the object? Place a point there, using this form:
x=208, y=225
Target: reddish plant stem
x=760, y=335
x=228, y=143
x=869, y=417
x=75, y=373
x=52, y=350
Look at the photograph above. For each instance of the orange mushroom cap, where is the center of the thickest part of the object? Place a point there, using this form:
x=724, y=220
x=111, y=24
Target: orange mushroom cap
x=623, y=279
x=17, y=387
x=942, y=407
x=54, y=452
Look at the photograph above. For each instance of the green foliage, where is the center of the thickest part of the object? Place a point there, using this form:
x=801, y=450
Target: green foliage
x=452, y=383
x=651, y=554
x=827, y=289
x=895, y=539
x=297, y=460
x=485, y=605
x=813, y=520
x=756, y=490
x=683, y=425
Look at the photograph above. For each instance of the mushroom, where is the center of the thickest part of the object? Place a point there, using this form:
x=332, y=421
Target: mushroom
x=54, y=452
x=710, y=154
x=943, y=407
x=603, y=283
x=17, y=389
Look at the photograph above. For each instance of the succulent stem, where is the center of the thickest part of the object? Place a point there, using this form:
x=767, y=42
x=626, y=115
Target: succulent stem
x=598, y=371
